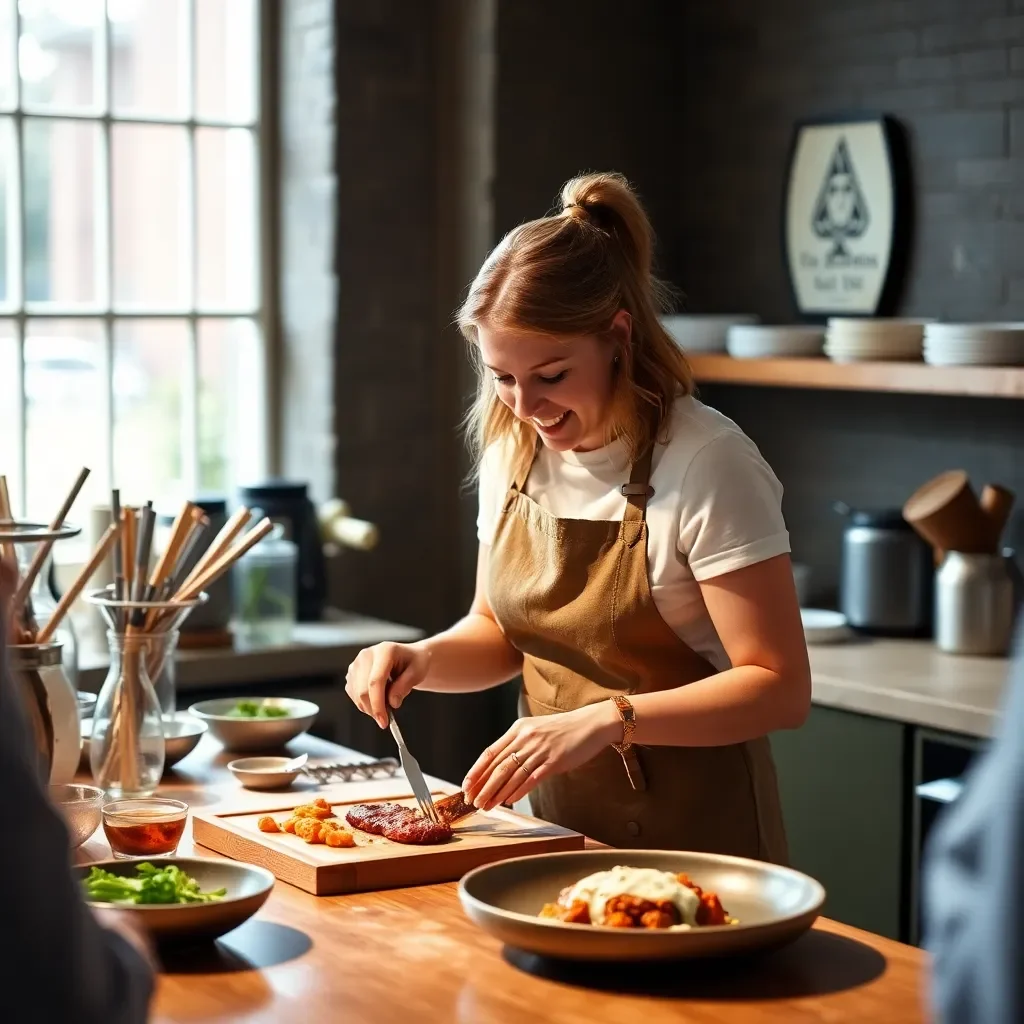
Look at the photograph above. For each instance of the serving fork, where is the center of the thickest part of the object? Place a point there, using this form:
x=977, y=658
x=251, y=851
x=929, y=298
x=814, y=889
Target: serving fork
x=413, y=773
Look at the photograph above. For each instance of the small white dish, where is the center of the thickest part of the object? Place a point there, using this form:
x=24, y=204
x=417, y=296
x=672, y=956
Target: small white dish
x=266, y=772
x=823, y=626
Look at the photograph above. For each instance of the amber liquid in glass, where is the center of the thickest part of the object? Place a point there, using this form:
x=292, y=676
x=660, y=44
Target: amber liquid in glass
x=144, y=833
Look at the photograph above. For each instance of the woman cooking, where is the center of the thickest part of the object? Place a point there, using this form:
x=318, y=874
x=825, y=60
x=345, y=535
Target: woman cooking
x=633, y=564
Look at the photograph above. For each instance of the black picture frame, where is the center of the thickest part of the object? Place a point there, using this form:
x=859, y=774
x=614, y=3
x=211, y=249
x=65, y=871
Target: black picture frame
x=897, y=150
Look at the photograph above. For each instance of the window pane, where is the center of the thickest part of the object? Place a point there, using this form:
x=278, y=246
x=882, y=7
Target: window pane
x=226, y=218
x=8, y=209
x=226, y=60
x=7, y=51
x=151, y=216
x=65, y=392
x=231, y=408
x=61, y=168
x=149, y=379
x=149, y=58
x=59, y=53
x=10, y=440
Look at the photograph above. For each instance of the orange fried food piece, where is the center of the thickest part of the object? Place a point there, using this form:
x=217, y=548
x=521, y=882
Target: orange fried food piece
x=338, y=837
x=656, y=919
x=310, y=829
x=267, y=824
x=620, y=919
x=289, y=825
x=319, y=809
x=643, y=913
x=578, y=912
x=711, y=911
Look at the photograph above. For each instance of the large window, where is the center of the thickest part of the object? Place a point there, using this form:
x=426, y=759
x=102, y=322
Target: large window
x=131, y=338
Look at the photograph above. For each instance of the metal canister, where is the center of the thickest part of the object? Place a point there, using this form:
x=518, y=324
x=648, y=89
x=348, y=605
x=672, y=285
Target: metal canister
x=974, y=604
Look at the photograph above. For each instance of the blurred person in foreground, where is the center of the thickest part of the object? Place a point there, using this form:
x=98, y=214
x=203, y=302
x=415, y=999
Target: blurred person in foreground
x=974, y=880
x=60, y=961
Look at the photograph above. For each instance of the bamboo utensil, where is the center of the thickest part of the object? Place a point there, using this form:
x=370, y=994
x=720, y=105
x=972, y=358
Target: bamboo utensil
x=107, y=541
x=25, y=585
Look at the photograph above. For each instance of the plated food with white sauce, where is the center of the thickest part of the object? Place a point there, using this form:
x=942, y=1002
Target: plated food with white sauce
x=631, y=897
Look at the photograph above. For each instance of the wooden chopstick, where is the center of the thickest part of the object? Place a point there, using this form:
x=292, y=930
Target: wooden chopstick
x=43, y=550
x=179, y=532
x=221, y=566
x=142, y=553
x=228, y=532
x=107, y=541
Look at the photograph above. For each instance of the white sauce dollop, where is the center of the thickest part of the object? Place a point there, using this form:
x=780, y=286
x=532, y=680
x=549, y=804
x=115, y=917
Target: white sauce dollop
x=646, y=883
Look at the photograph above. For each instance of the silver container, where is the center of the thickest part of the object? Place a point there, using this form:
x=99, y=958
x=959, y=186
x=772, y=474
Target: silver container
x=886, y=574
x=974, y=604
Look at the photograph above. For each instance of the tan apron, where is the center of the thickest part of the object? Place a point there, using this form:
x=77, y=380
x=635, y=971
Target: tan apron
x=573, y=596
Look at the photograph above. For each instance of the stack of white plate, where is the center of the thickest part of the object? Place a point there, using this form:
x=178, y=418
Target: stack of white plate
x=703, y=333
x=752, y=341
x=974, y=344
x=855, y=340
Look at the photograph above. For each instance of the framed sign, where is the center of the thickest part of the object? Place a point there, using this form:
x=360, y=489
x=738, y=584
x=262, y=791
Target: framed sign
x=846, y=216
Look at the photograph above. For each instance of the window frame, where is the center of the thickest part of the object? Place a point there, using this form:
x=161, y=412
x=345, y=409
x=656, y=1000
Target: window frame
x=15, y=309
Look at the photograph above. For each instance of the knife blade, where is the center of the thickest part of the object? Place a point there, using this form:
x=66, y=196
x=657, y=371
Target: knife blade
x=413, y=772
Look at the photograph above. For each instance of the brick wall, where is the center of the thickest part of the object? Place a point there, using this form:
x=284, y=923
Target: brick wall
x=952, y=71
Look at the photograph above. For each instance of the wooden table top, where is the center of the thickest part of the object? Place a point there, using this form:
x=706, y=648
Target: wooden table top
x=411, y=955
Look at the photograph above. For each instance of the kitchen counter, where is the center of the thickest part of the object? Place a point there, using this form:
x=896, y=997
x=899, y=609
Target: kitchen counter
x=412, y=955
x=910, y=681
x=318, y=648
x=905, y=680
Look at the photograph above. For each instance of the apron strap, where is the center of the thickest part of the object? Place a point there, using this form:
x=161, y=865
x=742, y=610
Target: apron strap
x=521, y=476
x=638, y=492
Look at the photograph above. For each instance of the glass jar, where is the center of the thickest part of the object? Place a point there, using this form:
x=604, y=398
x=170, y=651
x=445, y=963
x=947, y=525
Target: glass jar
x=265, y=581
x=162, y=669
x=126, y=749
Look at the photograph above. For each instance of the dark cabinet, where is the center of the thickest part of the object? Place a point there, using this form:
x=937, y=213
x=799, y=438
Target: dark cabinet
x=841, y=778
x=860, y=795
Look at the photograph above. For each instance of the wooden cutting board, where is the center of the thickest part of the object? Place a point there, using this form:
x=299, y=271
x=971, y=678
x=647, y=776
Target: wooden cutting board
x=375, y=862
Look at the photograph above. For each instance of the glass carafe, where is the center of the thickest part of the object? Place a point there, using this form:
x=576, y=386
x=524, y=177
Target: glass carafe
x=126, y=750
x=162, y=668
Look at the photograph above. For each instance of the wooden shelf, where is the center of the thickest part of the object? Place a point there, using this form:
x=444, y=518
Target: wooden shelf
x=909, y=378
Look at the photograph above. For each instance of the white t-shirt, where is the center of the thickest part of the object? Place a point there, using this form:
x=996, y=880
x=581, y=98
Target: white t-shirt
x=717, y=507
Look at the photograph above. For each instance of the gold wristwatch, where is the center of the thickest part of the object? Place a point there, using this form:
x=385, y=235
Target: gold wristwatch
x=628, y=716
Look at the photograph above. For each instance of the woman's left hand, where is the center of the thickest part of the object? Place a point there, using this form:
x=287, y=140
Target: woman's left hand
x=538, y=747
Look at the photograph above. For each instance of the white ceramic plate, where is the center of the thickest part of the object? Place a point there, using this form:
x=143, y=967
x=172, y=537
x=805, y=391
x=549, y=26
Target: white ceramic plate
x=703, y=333
x=823, y=626
x=976, y=332
x=753, y=341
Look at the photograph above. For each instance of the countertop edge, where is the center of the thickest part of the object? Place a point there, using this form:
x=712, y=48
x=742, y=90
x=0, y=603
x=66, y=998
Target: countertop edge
x=317, y=649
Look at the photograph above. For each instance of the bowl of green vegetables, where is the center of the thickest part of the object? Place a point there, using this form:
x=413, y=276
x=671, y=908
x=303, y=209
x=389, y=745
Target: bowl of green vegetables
x=184, y=899
x=250, y=724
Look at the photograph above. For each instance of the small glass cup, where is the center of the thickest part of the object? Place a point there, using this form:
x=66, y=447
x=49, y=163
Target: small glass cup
x=144, y=828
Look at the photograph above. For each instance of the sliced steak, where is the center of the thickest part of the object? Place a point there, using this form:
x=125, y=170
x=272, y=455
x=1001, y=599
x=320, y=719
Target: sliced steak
x=397, y=823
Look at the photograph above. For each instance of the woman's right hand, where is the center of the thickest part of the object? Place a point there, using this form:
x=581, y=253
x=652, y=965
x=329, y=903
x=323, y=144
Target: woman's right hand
x=385, y=674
